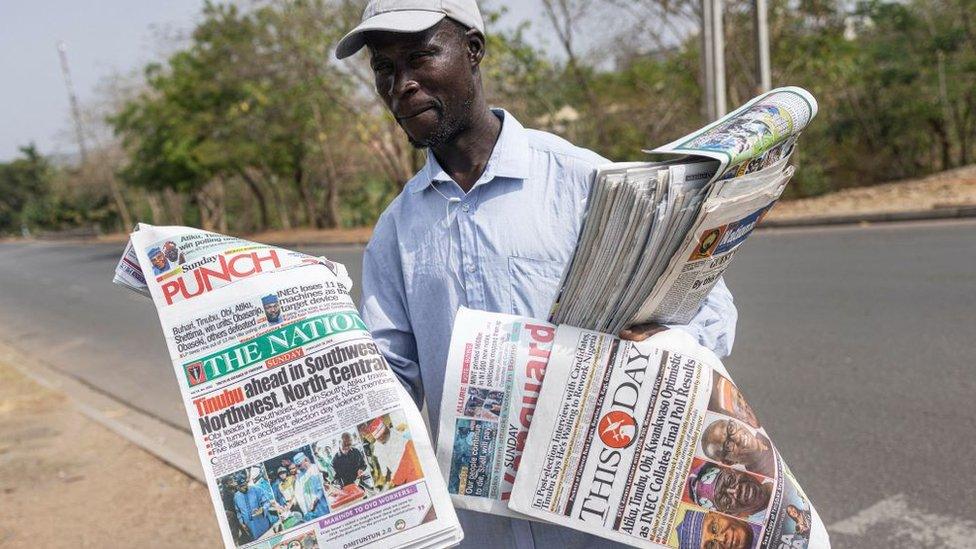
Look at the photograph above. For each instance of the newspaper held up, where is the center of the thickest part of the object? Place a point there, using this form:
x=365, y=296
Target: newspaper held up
x=651, y=444
x=303, y=432
x=750, y=137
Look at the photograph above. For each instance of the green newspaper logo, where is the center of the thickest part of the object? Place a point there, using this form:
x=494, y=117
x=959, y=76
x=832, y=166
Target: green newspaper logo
x=264, y=347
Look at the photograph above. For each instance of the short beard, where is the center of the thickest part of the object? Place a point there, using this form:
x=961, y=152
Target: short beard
x=447, y=129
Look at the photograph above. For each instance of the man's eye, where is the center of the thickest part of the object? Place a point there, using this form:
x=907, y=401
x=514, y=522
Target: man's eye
x=419, y=58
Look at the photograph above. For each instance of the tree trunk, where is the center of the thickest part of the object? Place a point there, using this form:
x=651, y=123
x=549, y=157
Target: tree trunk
x=330, y=211
x=156, y=208
x=174, y=206
x=282, y=205
x=120, y=205
x=259, y=196
x=945, y=147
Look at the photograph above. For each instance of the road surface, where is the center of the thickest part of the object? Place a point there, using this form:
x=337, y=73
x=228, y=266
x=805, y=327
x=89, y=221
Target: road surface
x=854, y=345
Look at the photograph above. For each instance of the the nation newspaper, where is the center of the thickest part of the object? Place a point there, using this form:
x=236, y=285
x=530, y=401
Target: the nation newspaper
x=304, y=433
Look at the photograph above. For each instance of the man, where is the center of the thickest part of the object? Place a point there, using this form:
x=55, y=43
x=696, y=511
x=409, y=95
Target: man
x=159, y=262
x=489, y=222
x=252, y=506
x=711, y=530
x=732, y=443
x=272, y=309
x=395, y=453
x=349, y=463
x=729, y=491
x=284, y=489
x=801, y=518
x=173, y=253
x=309, y=488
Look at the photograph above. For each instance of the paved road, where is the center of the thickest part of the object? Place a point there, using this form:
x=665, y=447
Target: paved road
x=853, y=344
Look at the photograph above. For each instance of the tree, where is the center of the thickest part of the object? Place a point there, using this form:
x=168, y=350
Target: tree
x=24, y=183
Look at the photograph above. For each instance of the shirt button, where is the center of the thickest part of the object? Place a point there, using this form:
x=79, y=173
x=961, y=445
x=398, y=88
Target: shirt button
x=470, y=268
x=465, y=207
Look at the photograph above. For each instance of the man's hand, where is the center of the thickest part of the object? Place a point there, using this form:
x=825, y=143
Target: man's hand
x=640, y=332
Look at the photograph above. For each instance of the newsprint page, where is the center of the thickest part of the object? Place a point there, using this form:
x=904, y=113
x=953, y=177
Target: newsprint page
x=303, y=432
x=650, y=444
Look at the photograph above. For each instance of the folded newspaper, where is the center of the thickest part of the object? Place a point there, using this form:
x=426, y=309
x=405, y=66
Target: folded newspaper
x=650, y=444
x=658, y=235
x=304, y=433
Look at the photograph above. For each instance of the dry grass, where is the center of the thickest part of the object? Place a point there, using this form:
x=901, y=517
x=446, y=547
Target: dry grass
x=951, y=188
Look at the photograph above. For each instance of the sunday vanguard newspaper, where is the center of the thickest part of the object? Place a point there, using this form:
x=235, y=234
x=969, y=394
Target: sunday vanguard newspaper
x=650, y=444
x=303, y=432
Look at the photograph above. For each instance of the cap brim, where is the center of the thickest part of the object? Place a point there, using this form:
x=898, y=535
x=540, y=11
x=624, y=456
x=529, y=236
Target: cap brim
x=405, y=21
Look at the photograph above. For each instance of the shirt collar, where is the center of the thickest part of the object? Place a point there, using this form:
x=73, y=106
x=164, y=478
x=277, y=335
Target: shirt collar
x=509, y=158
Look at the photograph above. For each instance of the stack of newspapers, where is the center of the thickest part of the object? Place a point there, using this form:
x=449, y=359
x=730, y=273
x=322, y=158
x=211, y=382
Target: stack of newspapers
x=305, y=436
x=658, y=235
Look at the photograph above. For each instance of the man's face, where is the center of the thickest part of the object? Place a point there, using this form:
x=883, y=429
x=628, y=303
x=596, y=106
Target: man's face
x=721, y=532
x=738, y=493
x=282, y=475
x=346, y=442
x=159, y=261
x=272, y=309
x=172, y=253
x=292, y=470
x=734, y=440
x=426, y=79
x=242, y=487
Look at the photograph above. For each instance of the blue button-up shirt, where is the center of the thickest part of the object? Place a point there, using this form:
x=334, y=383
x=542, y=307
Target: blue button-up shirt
x=502, y=247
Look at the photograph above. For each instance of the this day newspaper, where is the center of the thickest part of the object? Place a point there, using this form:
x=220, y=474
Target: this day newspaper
x=650, y=444
x=303, y=432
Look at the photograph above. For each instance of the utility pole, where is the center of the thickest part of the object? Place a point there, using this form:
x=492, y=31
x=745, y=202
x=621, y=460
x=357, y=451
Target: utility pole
x=713, y=53
x=708, y=60
x=124, y=215
x=73, y=99
x=764, y=79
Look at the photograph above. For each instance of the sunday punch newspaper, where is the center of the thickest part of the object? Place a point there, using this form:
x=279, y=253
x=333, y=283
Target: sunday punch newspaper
x=650, y=444
x=303, y=432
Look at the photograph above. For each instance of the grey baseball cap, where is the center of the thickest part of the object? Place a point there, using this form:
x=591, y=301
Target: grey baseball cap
x=408, y=16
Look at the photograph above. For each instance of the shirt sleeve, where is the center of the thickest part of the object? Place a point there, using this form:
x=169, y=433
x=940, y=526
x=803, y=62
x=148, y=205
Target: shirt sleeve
x=384, y=308
x=714, y=324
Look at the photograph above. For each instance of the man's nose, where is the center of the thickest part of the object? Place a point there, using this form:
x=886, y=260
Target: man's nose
x=402, y=84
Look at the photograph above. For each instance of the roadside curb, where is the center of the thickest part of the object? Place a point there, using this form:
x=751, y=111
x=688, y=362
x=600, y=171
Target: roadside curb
x=171, y=445
x=954, y=212
x=934, y=214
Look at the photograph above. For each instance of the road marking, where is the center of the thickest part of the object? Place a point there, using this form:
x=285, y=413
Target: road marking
x=895, y=522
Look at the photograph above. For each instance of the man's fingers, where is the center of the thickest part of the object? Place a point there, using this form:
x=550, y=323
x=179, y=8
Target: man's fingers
x=640, y=332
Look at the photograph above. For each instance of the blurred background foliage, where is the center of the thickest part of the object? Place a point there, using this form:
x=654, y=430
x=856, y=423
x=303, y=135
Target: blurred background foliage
x=251, y=124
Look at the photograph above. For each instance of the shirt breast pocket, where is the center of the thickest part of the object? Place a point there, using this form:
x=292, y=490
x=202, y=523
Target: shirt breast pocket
x=534, y=284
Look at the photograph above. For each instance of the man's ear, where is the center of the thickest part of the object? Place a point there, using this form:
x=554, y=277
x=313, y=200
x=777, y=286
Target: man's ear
x=476, y=46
